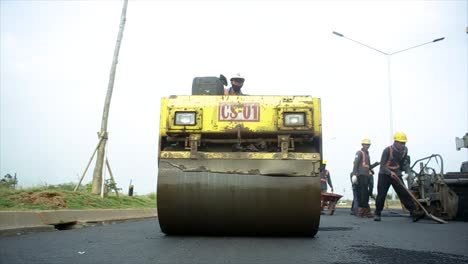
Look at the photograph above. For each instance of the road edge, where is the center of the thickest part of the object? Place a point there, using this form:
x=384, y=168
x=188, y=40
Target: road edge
x=20, y=221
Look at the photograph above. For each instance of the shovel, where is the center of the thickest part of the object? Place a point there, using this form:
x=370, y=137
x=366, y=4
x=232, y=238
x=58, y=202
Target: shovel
x=433, y=217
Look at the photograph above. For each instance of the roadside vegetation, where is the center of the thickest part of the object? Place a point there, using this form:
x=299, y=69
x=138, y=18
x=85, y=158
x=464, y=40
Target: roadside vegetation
x=391, y=202
x=62, y=196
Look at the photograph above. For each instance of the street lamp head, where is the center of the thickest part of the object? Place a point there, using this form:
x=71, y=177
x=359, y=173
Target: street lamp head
x=388, y=61
x=338, y=34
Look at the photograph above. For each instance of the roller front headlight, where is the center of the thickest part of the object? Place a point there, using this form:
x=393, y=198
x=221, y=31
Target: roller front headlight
x=185, y=118
x=294, y=119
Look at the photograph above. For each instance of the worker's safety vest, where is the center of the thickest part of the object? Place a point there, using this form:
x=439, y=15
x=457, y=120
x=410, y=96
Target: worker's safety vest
x=324, y=175
x=363, y=167
x=365, y=162
x=393, y=163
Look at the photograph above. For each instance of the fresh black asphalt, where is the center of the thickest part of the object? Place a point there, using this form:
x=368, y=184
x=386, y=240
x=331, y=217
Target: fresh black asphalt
x=342, y=238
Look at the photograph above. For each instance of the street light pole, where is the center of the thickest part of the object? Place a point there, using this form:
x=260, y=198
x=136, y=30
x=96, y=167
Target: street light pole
x=388, y=56
x=390, y=98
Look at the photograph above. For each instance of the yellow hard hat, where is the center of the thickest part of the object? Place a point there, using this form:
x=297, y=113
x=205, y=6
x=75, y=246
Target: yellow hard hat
x=366, y=141
x=400, y=137
x=324, y=162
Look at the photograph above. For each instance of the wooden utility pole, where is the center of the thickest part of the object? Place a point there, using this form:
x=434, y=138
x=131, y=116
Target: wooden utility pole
x=87, y=166
x=97, y=175
x=114, y=184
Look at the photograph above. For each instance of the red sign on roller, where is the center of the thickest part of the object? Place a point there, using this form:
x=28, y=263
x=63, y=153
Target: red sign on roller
x=249, y=112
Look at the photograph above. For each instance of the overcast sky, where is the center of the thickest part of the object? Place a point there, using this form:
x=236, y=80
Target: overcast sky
x=55, y=60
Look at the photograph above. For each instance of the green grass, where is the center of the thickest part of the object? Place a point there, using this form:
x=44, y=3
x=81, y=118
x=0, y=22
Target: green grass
x=57, y=199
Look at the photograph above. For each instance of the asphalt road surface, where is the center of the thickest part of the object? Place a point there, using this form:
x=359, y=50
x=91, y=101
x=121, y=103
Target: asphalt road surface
x=342, y=238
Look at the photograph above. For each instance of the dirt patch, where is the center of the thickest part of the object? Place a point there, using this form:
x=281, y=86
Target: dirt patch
x=47, y=199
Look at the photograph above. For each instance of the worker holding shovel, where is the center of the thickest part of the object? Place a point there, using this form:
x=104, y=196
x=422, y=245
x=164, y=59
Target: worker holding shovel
x=392, y=164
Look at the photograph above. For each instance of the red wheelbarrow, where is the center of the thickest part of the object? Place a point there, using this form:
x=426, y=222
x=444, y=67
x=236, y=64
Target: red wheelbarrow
x=329, y=200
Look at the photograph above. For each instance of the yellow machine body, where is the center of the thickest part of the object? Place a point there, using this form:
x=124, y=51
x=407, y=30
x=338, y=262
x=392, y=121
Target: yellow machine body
x=240, y=165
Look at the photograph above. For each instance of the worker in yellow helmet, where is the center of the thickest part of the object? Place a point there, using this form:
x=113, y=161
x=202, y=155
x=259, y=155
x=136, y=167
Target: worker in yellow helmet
x=325, y=177
x=361, y=177
x=394, y=162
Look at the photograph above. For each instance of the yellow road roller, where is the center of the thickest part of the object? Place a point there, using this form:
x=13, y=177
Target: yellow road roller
x=239, y=165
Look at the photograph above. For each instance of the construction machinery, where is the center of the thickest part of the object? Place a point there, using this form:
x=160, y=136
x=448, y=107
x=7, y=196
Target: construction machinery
x=239, y=165
x=444, y=195
x=458, y=181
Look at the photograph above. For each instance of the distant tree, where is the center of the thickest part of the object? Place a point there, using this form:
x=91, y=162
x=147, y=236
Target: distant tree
x=8, y=182
x=89, y=187
x=110, y=185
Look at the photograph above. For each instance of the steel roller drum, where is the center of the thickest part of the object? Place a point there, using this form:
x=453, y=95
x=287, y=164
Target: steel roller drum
x=209, y=203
